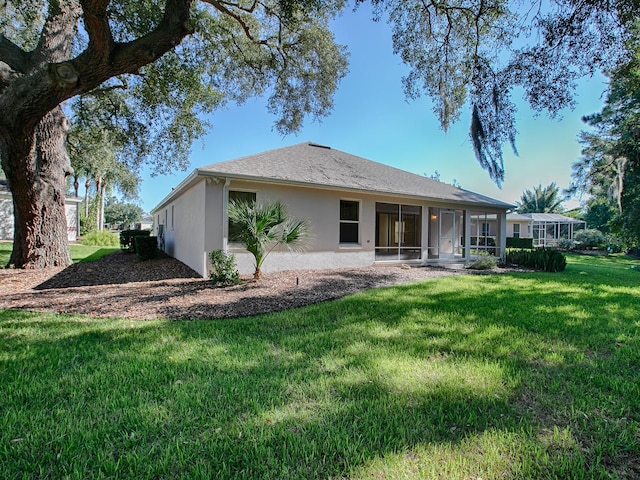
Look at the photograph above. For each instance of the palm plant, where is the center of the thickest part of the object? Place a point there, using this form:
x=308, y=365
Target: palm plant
x=263, y=227
x=540, y=200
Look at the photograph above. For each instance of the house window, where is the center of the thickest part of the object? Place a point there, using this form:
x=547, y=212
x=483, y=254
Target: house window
x=516, y=230
x=485, y=229
x=172, y=213
x=349, y=221
x=237, y=196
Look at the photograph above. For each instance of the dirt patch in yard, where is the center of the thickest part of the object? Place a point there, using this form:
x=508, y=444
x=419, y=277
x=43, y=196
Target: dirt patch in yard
x=121, y=286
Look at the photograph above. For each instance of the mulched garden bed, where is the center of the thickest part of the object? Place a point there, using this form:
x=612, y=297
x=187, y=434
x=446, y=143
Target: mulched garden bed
x=118, y=285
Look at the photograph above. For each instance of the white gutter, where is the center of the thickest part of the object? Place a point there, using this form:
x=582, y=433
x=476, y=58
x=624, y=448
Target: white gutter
x=191, y=178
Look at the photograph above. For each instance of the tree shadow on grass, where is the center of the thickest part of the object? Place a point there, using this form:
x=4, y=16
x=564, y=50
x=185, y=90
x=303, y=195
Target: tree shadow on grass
x=200, y=299
x=118, y=268
x=338, y=391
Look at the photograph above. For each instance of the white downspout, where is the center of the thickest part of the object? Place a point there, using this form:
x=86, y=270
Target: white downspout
x=225, y=217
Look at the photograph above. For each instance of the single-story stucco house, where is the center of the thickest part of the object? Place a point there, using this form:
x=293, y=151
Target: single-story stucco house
x=6, y=214
x=361, y=212
x=546, y=229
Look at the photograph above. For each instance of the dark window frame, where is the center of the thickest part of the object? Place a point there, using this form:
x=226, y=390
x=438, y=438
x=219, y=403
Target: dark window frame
x=238, y=193
x=349, y=227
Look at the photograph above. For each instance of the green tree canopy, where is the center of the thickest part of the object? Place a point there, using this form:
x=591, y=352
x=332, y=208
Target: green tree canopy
x=479, y=52
x=117, y=212
x=540, y=200
x=144, y=72
x=608, y=171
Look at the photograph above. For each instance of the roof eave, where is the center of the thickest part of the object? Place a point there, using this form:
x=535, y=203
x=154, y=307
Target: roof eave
x=176, y=191
x=278, y=181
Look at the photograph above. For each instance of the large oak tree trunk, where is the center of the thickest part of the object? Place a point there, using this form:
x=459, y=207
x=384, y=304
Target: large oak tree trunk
x=36, y=174
x=33, y=128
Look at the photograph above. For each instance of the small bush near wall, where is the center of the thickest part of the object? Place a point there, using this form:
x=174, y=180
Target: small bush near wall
x=101, y=239
x=484, y=261
x=223, y=268
x=127, y=243
x=545, y=259
x=520, y=243
x=146, y=247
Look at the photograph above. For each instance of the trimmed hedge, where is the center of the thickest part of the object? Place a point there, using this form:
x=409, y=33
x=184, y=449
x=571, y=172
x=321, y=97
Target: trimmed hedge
x=520, y=243
x=99, y=239
x=545, y=259
x=146, y=247
x=127, y=237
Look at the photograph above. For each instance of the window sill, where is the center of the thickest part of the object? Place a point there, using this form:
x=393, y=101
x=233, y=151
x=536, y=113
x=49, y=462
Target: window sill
x=349, y=246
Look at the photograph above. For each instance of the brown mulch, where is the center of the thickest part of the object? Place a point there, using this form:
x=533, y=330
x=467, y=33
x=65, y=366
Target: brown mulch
x=121, y=286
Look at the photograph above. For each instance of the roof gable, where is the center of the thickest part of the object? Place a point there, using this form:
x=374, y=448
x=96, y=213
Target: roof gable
x=316, y=165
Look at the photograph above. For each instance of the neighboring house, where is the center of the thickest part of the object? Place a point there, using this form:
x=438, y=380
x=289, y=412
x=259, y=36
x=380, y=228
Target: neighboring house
x=145, y=224
x=361, y=212
x=546, y=229
x=6, y=214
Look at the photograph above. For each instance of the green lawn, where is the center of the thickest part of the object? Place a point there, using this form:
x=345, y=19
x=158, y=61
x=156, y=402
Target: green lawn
x=79, y=253
x=517, y=376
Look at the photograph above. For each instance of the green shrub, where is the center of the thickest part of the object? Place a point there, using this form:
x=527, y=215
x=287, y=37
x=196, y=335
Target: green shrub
x=520, y=243
x=614, y=244
x=589, y=238
x=127, y=243
x=102, y=239
x=545, y=259
x=484, y=261
x=146, y=247
x=223, y=268
x=566, y=244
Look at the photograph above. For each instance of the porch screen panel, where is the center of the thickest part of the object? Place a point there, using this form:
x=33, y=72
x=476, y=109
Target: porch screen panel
x=460, y=231
x=398, y=231
x=411, y=223
x=387, y=218
x=483, y=235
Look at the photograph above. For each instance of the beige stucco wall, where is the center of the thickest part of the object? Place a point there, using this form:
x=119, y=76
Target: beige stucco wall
x=215, y=208
x=321, y=208
x=184, y=221
x=524, y=229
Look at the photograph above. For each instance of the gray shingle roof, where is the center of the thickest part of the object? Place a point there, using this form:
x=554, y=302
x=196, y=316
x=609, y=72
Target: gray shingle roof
x=316, y=165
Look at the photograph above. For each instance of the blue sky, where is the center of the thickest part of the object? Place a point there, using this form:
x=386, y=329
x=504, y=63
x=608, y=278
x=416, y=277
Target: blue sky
x=372, y=119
